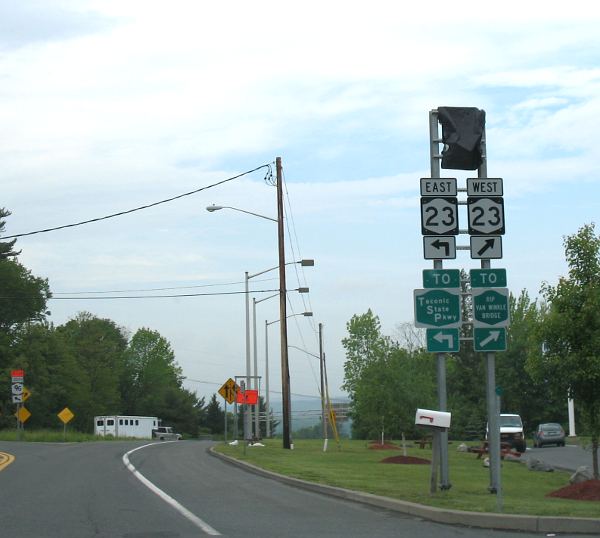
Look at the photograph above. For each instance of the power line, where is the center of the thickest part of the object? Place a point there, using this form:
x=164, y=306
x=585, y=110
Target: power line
x=120, y=213
x=106, y=297
x=160, y=289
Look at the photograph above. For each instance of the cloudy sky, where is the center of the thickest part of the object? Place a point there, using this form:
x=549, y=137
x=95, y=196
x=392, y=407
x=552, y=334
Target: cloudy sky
x=109, y=105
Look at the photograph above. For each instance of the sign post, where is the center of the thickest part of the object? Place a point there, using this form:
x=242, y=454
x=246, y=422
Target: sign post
x=438, y=306
x=66, y=415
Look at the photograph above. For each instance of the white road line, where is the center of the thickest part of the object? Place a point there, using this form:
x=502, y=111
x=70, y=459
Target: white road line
x=164, y=496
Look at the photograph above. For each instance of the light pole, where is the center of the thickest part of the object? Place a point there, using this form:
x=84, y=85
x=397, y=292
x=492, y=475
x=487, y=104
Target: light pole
x=267, y=323
x=285, y=375
x=255, y=340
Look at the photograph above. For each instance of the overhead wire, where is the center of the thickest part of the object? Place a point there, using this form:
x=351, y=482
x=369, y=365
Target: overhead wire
x=161, y=289
x=146, y=206
x=107, y=297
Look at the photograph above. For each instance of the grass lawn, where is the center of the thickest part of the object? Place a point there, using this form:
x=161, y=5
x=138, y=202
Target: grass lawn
x=357, y=467
x=54, y=436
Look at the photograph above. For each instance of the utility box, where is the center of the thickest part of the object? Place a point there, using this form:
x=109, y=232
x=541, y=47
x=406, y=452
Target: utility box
x=433, y=419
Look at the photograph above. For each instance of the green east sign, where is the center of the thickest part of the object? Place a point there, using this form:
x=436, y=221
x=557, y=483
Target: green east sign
x=443, y=340
x=490, y=307
x=441, y=278
x=437, y=308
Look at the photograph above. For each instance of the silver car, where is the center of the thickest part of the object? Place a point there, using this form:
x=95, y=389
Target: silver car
x=550, y=433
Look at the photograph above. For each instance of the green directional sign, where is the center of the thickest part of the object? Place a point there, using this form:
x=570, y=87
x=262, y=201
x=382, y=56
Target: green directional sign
x=443, y=340
x=437, y=308
x=488, y=278
x=490, y=307
x=489, y=339
x=441, y=278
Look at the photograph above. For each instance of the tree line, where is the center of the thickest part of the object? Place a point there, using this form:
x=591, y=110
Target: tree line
x=553, y=352
x=89, y=364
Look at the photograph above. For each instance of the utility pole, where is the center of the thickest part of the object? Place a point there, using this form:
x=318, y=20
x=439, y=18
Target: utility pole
x=267, y=403
x=247, y=417
x=257, y=407
x=323, y=414
x=285, y=367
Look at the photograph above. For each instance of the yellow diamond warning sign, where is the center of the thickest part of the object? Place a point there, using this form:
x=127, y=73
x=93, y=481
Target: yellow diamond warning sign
x=65, y=415
x=229, y=389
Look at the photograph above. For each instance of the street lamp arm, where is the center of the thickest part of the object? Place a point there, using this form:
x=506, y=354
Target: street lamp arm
x=301, y=262
x=213, y=207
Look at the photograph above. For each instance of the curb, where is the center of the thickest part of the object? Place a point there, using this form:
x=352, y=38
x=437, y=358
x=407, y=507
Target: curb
x=487, y=520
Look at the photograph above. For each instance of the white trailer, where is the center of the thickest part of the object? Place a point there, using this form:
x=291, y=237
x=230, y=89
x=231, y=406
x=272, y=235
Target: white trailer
x=125, y=426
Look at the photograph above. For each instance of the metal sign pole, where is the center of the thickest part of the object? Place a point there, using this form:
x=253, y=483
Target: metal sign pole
x=493, y=411
x=441, y=357
x=225, y=406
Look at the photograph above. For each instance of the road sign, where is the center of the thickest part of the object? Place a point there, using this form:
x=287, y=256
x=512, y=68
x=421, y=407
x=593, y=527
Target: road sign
x=66, y=415
x=490, y=307
x=488, y=278
x=439, y=248
x=489, y=186
x=486, y=247
x=486, y=215
x=437, y=308
x=26, y=394
x=441, y=278
x=489, y=339
x=229, y=390
x=17, y=388
x=443, y=340
x=17, y=398
x=438, y=186
x=439, y=216
x=247, y=397
x=23, y=414
x=17, y=376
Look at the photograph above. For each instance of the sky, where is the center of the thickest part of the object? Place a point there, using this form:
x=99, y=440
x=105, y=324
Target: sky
x=109, y=105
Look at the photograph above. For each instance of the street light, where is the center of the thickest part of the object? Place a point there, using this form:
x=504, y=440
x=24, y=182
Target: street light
x=285, y=372
x=267, y=403
x=254, y=303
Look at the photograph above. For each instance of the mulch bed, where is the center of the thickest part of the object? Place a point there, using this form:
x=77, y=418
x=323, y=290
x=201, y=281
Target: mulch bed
x=583, y=491
x=385, y=446
x=406, y=460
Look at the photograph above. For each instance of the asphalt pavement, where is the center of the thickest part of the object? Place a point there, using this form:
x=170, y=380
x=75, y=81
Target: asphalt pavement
x=85, y=490
x=567, y=458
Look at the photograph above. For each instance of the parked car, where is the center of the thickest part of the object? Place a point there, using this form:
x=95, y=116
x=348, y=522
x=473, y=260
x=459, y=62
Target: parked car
x=511, y=431
x=550, y=433
x=165, y=433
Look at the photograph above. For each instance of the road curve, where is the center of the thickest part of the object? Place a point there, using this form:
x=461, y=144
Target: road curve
x=80, y=490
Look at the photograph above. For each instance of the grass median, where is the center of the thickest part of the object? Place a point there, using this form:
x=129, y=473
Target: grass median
x=357, y=467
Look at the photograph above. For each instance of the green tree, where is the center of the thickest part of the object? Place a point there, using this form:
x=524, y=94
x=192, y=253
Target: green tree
x=571, y=332
x=150, y=372
x=6, y=247
x=99, y=347
x=364, y=344
x=215, y=416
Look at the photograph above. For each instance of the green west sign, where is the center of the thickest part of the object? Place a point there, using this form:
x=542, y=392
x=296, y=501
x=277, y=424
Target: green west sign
x=437, y=308
x=488, y=278
x=490, y=307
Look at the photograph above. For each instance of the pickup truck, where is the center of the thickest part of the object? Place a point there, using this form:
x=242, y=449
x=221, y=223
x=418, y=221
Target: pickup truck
x=165, y=433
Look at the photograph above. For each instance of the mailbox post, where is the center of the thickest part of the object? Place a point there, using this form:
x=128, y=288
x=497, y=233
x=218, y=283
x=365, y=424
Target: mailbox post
x=438, y=422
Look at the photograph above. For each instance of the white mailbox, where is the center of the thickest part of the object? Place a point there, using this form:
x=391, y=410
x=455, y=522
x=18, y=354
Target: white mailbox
x=433, y=419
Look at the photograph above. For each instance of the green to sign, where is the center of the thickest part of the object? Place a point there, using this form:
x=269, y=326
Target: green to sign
x=437, y=308
x=489, y=339
x=441, y=278
x=443, y=340
x=488, y=278
x=490, y=307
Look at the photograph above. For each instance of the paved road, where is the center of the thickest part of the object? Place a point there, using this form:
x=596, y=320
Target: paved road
x=569, y=457
x=84, y=490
